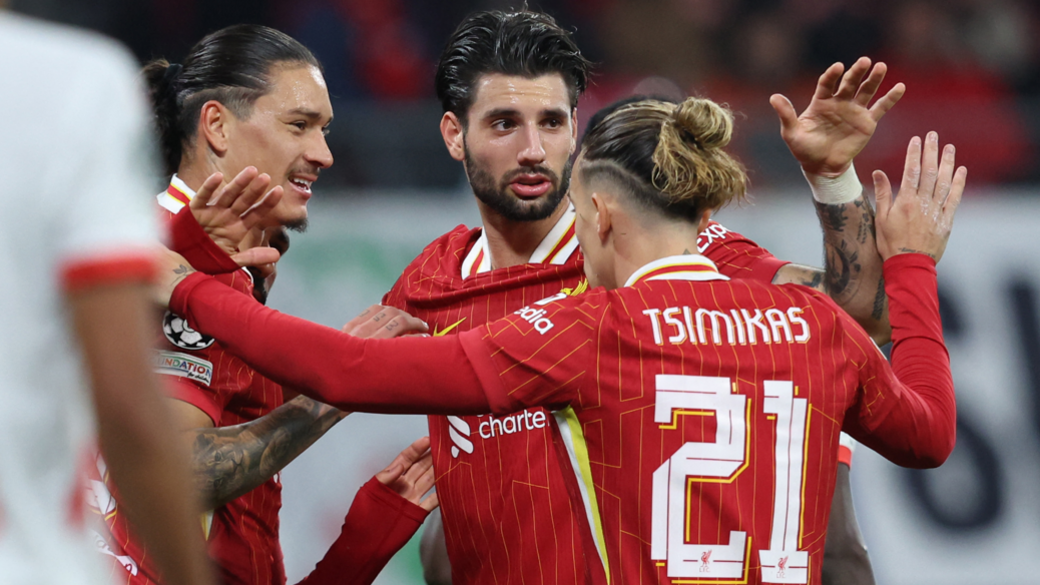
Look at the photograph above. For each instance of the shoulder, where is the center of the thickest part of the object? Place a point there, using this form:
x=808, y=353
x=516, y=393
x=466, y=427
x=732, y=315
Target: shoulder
x=440, y=259
x=51, y=54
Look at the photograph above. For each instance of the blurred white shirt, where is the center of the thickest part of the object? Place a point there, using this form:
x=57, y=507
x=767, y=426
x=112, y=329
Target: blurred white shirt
x=75, y=195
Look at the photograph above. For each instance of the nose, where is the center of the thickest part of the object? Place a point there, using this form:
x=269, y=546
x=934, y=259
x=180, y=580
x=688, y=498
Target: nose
x=319, y=154
x=532, y=152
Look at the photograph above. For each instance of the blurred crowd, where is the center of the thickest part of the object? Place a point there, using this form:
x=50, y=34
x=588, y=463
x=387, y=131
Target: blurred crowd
x=972, y=67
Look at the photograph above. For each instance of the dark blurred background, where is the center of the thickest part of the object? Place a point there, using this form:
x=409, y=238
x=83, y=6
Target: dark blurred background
x=972, y=68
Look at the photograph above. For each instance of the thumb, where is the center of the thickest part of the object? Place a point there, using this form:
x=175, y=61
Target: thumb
x=883, y=193
x=256, y=256
x=784, y=111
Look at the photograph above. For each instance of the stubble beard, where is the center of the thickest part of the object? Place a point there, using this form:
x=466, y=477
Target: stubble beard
x=495, y=194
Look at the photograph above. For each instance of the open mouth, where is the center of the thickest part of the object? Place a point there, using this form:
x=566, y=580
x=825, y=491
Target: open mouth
x=530, y=186
x=301, y=184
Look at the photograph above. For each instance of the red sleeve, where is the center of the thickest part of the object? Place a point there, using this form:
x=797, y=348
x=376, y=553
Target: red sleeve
x=737, y=256
x=378, y=524
x=907, y=411
x=195, y=395
x=537, y=356
x=363, y=375
x=188, y=239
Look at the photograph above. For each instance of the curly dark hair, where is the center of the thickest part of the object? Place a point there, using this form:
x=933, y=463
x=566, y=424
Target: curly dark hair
x=525, y=43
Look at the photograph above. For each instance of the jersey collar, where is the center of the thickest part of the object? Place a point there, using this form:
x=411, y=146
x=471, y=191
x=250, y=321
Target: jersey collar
x=176, y=196
x=556, y=248
x=685, y=267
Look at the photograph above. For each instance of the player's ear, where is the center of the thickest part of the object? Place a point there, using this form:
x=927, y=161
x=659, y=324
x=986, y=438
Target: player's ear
x=703, y=223
x=453, y=132
x=603, y=218
x=574, y=130
x=213, y=125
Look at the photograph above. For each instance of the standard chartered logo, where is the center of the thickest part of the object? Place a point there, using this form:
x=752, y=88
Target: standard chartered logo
x=460, y=430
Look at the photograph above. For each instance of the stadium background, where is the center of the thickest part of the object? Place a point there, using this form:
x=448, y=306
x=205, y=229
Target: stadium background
x=972, y=68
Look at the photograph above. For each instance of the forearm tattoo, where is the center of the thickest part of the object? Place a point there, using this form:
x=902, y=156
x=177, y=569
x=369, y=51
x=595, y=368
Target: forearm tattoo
x=228, y=462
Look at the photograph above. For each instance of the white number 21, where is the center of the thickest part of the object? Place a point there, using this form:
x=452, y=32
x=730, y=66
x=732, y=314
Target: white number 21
x=723, y=460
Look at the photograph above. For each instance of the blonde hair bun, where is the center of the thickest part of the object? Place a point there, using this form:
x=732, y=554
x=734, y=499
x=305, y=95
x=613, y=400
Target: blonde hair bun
x=709, y=124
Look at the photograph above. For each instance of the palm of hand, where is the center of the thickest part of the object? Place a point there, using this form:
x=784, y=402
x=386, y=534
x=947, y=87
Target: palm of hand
x=829, y=134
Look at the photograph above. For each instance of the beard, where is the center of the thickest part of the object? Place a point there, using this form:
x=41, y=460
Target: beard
x=495, y=194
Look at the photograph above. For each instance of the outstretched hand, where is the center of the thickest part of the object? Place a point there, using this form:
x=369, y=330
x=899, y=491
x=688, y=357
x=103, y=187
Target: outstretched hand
x=379, y=322
x=411, y=475
x=920, y=218
x=839, y=121
x=228, y=213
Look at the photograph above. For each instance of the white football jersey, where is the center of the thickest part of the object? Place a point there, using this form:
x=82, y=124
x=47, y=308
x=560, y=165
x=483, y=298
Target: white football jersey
x=76, y=171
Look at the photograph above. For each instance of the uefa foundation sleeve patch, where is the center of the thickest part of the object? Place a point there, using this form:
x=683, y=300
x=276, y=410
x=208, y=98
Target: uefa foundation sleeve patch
x=187, y=366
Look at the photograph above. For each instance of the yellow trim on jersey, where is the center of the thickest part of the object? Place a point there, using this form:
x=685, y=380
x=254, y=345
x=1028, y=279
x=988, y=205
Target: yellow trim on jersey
x=692, y=260
x=580, y=452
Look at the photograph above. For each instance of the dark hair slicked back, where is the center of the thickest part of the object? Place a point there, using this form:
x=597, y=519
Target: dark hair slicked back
x=523, y=43
x=232, y=66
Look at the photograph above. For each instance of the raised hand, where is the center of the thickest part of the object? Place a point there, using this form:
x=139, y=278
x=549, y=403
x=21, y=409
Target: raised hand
x=919, y=219
x=230, y=212
x=839, y=121
x=411, y=475
x=379, y=322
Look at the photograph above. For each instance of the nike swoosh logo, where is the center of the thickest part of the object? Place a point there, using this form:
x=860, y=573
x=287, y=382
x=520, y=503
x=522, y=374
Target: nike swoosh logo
x=445, y=331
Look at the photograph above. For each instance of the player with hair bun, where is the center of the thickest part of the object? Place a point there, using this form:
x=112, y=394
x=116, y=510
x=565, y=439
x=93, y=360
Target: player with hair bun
x=701, y=414
x=242, y=126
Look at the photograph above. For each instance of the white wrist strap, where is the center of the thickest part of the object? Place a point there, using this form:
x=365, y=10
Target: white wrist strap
x=842, y=189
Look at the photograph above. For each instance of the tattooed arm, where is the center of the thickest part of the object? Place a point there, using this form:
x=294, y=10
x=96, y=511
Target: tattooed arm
x=836, y=126
x=852, y=273
x=228, y=462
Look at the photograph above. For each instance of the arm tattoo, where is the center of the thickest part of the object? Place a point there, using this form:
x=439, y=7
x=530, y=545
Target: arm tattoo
x=879, y=300
x=228, y=462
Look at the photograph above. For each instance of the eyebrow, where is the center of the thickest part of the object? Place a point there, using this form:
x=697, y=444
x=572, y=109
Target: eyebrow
x=513, y=113
x=312, y=114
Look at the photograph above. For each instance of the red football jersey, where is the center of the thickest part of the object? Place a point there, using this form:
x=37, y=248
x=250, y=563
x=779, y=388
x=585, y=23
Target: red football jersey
x=242, y=535
x=503, y=485
x=704, y=415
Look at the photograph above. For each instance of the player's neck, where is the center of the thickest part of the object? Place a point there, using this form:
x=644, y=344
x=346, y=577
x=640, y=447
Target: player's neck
x=194, y=175
x=636, y=249
x=511, y=243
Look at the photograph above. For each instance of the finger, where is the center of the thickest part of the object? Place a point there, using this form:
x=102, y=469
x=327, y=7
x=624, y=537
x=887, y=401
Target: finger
x=883, y=105
x=828, y=83
x=870, y=85
x=234, y=188
x=391, y=473
x=852, y=79
x=785, y=111
x=912, y=166
x=375, y=322
x=944, y=182
x=929, y=166
x=251, y=194
x=882, y=194
x=256, y=256
x=960, y=178
x=430, y=503
x=401, y=325
x=206, y=191
x=256, y=214
x=361, y=318
x=416, y=475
